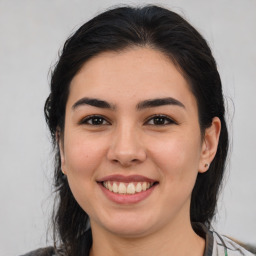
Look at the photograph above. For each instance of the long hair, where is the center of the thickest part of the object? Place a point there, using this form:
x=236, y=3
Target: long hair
x=116, y=30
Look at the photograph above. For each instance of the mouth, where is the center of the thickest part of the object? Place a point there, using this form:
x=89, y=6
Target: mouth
x=127, y=185
x=127, y=188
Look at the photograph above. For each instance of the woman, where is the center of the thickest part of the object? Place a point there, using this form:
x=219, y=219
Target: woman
x=136, y=115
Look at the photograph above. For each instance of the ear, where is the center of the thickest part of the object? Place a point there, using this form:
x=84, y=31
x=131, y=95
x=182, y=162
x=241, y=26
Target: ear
x=210, y=144
x=59, y=139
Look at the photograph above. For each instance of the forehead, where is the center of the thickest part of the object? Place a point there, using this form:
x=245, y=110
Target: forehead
x=139, y=73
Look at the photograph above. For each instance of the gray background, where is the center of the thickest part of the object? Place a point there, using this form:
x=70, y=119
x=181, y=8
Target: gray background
x=32, y=32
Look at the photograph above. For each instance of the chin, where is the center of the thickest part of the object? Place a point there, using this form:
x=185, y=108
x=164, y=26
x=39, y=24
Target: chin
x=127, y=231
x=130, y=226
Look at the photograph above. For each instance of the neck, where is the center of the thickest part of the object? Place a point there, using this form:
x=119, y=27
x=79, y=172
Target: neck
x=178, y=240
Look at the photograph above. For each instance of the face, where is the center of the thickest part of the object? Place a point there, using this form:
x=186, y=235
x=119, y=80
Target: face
x=132, y=145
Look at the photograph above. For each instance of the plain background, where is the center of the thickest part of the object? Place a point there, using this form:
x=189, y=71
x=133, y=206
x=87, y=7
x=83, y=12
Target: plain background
x=31, y=34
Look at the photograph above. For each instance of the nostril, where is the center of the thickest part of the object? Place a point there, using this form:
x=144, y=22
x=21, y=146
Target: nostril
x=125, y=160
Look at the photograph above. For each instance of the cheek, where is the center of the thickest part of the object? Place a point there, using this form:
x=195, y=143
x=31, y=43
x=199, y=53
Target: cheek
x=82, y=155
x=177, y=156
x=82, y=159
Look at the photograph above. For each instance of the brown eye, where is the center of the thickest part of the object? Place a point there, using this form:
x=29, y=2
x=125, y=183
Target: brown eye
x=160, y=120
x=95, y=120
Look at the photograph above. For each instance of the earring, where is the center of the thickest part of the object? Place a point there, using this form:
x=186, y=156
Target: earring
x=64, y=176
x=206, y=165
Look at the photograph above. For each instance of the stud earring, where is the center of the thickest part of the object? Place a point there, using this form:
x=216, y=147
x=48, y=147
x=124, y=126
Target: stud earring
x=64, y=176
x=206, y=165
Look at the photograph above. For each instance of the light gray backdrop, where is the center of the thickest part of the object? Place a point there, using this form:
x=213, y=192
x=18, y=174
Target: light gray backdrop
x=32, y=32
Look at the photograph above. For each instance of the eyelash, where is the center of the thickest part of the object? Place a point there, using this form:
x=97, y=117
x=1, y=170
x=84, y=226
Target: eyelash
x=96, y=118
x=162, y=118
x=101, y=120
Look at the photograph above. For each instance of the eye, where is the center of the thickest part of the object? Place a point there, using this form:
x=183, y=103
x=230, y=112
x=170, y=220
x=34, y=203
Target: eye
x=160, y=120
x=95, y=120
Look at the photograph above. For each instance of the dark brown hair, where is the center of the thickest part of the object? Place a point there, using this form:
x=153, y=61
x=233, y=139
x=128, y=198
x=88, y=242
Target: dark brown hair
x=115, y=30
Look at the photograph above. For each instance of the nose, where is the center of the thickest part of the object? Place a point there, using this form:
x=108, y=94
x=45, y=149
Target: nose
x=126, y=147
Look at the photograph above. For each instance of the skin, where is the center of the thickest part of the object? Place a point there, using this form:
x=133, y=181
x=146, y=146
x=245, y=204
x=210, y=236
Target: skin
x=128, y=142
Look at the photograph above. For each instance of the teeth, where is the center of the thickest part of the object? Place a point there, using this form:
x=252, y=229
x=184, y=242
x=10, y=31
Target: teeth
x=138, y=187
x=144, y=186
x=115, y=188
x=127, y=188
x=130, y=188
x=109, y=186
x=121, y=188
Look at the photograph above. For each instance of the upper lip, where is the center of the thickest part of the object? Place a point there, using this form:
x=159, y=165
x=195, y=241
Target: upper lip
x=126, y=179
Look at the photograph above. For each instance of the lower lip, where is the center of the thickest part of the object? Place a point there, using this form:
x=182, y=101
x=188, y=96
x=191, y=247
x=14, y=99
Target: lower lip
x=127, y=199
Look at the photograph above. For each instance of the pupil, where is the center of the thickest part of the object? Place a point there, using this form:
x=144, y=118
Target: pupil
x=97, y=120
x=159, y=120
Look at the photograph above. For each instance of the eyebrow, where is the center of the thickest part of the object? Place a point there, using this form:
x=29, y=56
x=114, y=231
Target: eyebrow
x=140, y=106
x=159, y=102
x=93, y=102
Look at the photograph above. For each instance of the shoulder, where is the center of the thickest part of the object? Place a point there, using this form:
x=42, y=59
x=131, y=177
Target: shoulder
x=225, y=246
x=48, y=251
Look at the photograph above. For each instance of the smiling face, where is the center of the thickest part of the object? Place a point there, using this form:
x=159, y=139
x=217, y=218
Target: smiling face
x=132, y=145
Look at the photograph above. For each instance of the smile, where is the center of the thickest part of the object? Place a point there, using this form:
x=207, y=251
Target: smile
x=127, y=188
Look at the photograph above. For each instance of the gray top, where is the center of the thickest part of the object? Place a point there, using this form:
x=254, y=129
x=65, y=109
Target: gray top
x=216, y=245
